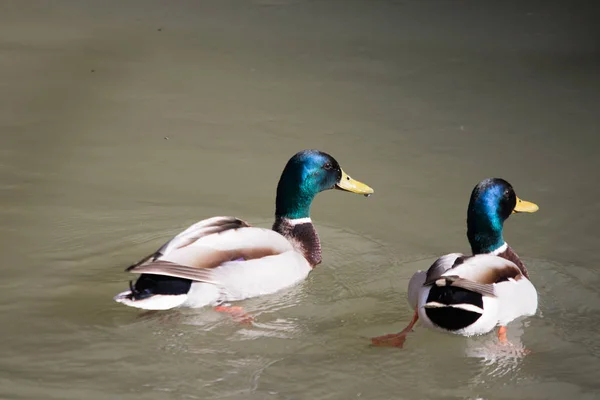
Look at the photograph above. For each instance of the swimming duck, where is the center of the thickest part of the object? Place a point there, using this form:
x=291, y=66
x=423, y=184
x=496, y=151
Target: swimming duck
x=224, y=259
x=471, y=295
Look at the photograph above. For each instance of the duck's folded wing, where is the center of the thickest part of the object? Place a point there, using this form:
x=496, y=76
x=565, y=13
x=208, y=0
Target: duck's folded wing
x=194, y=233
x=421, y=278
x=202, y=229
x=441, y=265
x=207, y=246
x=486, y=269
x=445, y=271
x=216, y=249
x=480, y=274
x=456, y=281
x=220, y=233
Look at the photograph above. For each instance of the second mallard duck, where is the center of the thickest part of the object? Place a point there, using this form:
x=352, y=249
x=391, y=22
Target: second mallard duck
x=223, y=259
x=471, y=295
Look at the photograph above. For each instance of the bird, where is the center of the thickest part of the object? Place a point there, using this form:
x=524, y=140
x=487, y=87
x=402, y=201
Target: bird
x=472, y=294
x=223, y=259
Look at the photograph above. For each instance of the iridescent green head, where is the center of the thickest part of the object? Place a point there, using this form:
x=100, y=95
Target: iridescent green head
x=493, y=200
x=306, y=174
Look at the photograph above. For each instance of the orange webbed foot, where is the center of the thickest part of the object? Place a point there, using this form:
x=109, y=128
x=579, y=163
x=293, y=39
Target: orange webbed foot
x=395, y=339
x=237, y=313
x=502, y=335
x=391, y=340
x=502, y=338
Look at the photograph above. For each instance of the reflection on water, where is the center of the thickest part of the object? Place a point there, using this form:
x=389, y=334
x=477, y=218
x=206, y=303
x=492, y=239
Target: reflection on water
x=421, y=100
x=499, y=359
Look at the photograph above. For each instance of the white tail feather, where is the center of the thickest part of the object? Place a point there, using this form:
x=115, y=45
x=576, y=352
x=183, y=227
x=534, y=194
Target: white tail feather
x=462, y=306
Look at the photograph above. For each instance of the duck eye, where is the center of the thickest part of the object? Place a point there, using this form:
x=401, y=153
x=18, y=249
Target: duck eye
x=328, y=166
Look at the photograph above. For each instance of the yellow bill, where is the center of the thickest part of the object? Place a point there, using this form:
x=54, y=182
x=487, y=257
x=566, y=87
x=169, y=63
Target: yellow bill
x=525, y=206
x=350, y=185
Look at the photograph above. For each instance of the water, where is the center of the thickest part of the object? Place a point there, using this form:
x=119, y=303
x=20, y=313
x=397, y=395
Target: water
x=124, y=122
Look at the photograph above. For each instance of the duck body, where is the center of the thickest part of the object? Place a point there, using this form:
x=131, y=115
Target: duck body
x=224, y=259
x=217, y=260
x=472, y=294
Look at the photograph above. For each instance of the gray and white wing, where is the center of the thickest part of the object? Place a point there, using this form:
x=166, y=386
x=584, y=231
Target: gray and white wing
x=420, y=278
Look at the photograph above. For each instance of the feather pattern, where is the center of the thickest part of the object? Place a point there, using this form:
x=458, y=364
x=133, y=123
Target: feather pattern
x=209, y=243
x=192, y=234
x=456, y=281
x=168, y=268
x=485, y=269
x=440, y=266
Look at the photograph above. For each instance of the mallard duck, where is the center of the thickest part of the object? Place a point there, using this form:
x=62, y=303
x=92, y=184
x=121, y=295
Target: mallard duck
x=224, y=259
x=471, y=295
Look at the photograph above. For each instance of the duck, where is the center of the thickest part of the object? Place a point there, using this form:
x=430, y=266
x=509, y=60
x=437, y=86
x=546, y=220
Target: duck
x=472, y=294
x=223, y=259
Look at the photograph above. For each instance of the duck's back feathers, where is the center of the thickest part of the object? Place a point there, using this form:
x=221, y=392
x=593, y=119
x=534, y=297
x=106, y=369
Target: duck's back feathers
x=482, y=268
x=210, y=243
x=445, y=271
x=475, y=273
x=485, y=269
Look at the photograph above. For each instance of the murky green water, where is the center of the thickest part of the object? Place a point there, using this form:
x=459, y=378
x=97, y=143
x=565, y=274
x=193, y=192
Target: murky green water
x=123, y=122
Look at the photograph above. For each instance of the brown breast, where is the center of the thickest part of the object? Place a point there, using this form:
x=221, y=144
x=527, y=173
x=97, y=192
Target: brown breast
x=510, y=255
x=303, y=236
